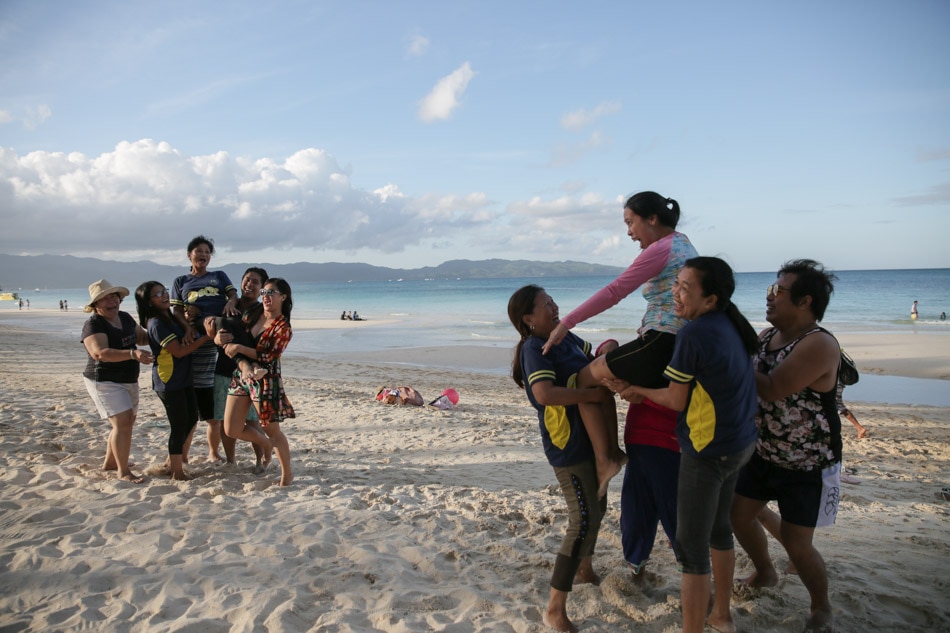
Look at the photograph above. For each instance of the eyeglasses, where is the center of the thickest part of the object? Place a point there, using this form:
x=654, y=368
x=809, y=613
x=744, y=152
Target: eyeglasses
x=160, y=293
x=266, y=292
x=775, y=290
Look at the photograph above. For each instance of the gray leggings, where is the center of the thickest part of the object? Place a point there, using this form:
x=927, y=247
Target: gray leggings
x=579, y=486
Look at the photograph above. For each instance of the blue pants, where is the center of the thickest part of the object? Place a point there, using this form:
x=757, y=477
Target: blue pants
x=648, y=498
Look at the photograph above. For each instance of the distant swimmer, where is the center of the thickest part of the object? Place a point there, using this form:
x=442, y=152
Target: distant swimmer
x=943, y=315
x=913, y=311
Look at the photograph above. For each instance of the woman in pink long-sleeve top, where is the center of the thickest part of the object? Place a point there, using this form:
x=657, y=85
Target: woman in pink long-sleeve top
x=651, y=220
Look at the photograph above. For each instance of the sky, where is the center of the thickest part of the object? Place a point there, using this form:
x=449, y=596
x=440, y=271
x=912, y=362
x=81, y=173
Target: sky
x=405, y=134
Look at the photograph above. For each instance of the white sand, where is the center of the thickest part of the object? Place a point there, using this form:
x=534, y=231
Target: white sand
x=400, y=518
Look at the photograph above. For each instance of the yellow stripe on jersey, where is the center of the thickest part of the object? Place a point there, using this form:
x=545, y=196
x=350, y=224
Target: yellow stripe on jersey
x=701, y=418
x=541, y=374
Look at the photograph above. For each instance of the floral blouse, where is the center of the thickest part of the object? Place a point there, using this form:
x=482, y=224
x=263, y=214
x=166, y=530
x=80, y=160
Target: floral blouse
x=268, y=392
x=802, y=431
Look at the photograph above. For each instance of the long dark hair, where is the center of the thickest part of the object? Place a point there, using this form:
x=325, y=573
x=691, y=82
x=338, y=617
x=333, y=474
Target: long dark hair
x=718, y=279
x=284, y=288
x=143, y=302
x=646, y=204
x=521, y=304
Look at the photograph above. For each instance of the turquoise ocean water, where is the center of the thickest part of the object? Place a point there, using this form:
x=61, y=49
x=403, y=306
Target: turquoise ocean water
x=442, y=312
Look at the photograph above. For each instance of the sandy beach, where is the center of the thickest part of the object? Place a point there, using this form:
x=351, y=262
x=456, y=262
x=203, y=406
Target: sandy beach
x=406, y=519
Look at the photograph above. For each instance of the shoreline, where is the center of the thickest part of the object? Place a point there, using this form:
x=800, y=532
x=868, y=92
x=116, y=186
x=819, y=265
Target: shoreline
x=923, y=355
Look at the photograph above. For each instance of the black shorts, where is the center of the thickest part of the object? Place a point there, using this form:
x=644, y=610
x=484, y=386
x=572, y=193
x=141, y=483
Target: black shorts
x=806, y=498
x=205, y=396
x=643, y=360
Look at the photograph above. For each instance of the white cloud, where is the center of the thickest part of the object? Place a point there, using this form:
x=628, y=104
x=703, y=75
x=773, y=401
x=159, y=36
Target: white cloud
x=147, y=196
x=445, y=96
x=418, y=46
x=5, y=117
x=579, y=119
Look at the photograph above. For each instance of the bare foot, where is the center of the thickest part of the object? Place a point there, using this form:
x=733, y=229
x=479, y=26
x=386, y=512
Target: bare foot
x=721, y=625
x=286, y=481
x=585, y=577
x=605, y=474
x=558, y=621
x=862, y=433
x=114, y=466
x=758, y=580
x=820, y=622
x=133, y=478
x=181, y=476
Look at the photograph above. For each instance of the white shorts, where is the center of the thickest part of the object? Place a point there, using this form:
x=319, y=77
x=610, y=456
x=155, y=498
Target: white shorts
x=113, y=398
x=830, y=495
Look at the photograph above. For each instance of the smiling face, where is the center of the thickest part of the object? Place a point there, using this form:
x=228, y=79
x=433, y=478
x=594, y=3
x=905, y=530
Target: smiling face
x=158, y=298
x=272, y=299
x=544, y=317
x=200, y=257
x=778, y=300
x=108, y=306
x=251, y=286
x=688, y=300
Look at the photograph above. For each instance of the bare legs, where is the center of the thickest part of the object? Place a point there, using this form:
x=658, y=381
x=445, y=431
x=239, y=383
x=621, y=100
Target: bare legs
x=119, y=446
x=797, y=541
x=862, y=432
x=282, y=446
x=236, y=426
x=555, y=616
x=600, y=420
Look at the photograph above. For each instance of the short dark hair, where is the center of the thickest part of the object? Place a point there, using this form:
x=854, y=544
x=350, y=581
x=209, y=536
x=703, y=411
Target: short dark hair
x=646, y=204
x=198, y=240
x=260, y=272
x=811, y=280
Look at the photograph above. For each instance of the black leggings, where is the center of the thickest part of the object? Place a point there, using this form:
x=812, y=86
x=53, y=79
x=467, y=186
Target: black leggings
x=181, y=407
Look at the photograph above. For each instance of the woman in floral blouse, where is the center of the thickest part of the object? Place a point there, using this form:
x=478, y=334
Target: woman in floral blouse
x=272, y=333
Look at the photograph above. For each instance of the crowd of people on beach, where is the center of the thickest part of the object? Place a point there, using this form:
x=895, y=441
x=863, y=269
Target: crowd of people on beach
x=215, y=357
x=721, y=421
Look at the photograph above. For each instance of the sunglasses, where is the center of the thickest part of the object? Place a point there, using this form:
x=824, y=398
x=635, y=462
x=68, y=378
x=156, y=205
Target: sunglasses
x=775, y=290
x=266, y=292
x=160, y=293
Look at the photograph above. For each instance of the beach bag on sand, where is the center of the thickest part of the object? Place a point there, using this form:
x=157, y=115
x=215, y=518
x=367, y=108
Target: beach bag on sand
x=847, y=370
x=400, y=395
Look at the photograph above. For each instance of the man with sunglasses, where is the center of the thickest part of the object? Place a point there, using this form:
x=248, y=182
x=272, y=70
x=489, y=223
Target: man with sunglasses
x=798, y=456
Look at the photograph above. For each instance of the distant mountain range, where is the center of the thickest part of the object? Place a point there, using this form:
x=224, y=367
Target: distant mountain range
x=66, y=271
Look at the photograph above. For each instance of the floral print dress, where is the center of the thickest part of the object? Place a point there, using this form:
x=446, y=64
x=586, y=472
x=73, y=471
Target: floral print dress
x=268, y=392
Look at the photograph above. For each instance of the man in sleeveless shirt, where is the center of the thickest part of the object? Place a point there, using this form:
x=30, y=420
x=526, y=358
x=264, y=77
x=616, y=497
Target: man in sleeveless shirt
x=798, y=455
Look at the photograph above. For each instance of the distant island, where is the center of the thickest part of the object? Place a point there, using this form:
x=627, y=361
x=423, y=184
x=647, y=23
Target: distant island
x=66, y=271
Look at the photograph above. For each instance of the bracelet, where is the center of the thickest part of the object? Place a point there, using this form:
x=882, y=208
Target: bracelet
x=132, y=354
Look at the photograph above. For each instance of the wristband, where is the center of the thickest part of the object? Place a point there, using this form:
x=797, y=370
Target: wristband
x=132, y=354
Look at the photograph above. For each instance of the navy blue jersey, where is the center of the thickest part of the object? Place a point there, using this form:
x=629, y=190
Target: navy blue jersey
x=562, y=430
x=168, y=373
x=719, y=418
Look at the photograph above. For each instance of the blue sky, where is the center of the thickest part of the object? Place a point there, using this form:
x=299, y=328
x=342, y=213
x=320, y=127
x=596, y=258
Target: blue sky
x=405, y=134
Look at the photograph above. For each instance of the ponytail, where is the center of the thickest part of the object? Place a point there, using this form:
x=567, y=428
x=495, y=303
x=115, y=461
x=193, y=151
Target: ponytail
x=750, y=340
x=520, y=304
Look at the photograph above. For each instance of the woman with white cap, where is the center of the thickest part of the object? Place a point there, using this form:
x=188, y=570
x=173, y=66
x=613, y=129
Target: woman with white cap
x=112, y=371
